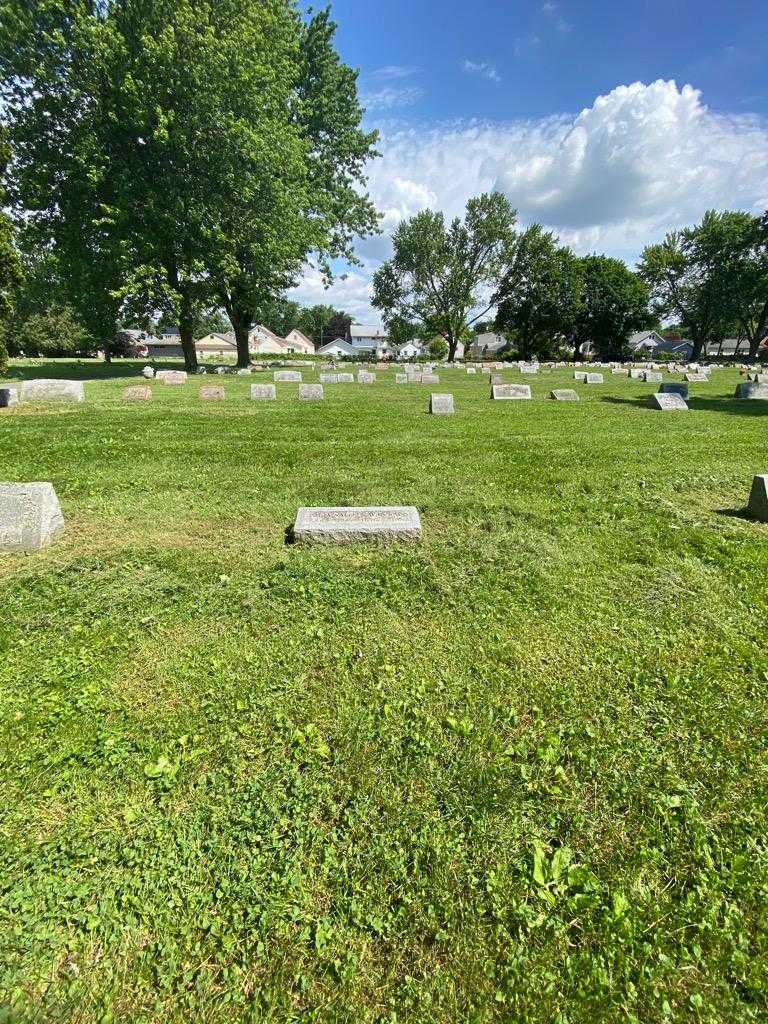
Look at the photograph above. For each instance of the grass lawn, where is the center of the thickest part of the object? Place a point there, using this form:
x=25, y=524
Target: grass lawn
x=514, y=773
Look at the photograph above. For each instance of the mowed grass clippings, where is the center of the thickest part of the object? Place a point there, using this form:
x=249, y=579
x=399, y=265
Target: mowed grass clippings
x=516, y=772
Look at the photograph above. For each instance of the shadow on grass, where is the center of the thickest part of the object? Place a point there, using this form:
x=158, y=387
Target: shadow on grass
x=734, y=406
x=83, y=369
x=737, y=513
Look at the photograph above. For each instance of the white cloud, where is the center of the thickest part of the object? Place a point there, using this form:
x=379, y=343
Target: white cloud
x=552, y=11
x=642, y=160
x=390, y=97
x=390, y=71
x=483, y=68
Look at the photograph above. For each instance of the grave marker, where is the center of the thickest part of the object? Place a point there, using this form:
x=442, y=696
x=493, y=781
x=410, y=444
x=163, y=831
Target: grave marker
x=43, y=390
x=171, y=376
x=263, y=392
x=441, y=405
x=8, y=397
x=138, y=393
x=211, y=393
x=758, y=498
x=430, y=378
x=287, y=377
x=754, y=391
x=30, y=516
x=673, y=388
x=668, y=403
x=510, y=391
x=342, y=525
x=310, y=392
x=564, y=395
x=593, y=378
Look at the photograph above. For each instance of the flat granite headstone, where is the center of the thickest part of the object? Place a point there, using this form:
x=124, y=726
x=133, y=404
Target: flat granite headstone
x=529, y=368
x=636, y=374
x=263, y=391
x=496, y=378
x=471, y=369
x=310, y=392
x=756, y=391
x=510, y=391
x=651, y=376
x=171, y=376
x=30, y=516
x=668, y=403
x=697, y=378
x=346, y=378
x=673, y=388
x=366, y=378
x=329, y=378
x=564, y=395
x=441, y=405
x=342, y=525
x=593, y=378
x=617, y=371
x=211, y=393
x=401, y=378
x=138, y=393
x=8, y=397
x=430, y=378
x=758, y=498
x=148, y=372
x=52, y=391
x=580, y=375
x=287, y=376
x=244, y=371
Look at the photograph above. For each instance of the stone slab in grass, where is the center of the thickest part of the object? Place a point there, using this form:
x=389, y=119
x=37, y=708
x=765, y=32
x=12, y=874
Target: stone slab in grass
x=43, y=390
x=401, y=378
x=697, y=378
x=668, y=403
x=651, y=376
x=754, y=391
x=346, y=378
x=211, y=393
x=636, y=374
x=171, y=376
x=350, y=525
x=311, y=392
x=564, y=395
x=580, y=375
x=593, y=378
x=30, y=516
x=471, y=369
x=510, y=391
x=758, y=498
x=287, y=377
x=617, y=371
x=263, y=392
x=244, y=371
x=441, y=405
x=430, y=378
x=8, y=397
x=137, y=393
x=529, y=368
x=366, y=378
x=674, y=388
x=329, y=378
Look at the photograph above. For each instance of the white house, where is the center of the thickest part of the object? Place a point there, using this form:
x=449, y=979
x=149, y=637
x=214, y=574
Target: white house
x=487, y=344
x=410, y=350
x=372, y=341
x=338, y=348
x=298, y=342
x=216, y=344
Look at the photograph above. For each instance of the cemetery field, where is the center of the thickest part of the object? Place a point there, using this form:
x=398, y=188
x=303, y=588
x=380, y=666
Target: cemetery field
x=515, y=772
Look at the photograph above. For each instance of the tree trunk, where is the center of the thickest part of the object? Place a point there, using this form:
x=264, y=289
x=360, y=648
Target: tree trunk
x=108, y=351
x=187, y=332
x=452, y=346
x=241, y=337
x=698, y=344
x=754, y=346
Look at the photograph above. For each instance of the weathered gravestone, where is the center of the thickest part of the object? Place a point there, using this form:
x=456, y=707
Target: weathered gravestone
x=593, y=378
x=636, y=374
x=564, y=395
x=366, y=378
x=496, y=378
x=441, y=405
x=430, y=378
x=673, y=388
x=697, y=378
x=529, y=368
x=52, y=391
x=8, y=397
x=755, y=391
x=401, y=378
x=310, y=392
x=414, y=378
x=651, y=377
x=758, y=498
x=287, y=376
x=148, y=372
x=342, y=525
x=263, y=391
x=668, y=403
x=171, y=376
x=244, y=372
x=510, y=391
x=137, y=393
x=211, y=393
x=30, y=516
x=580, y=375
x=346, y=378
x=758, y=378
x=471, y=369
x=329, y=378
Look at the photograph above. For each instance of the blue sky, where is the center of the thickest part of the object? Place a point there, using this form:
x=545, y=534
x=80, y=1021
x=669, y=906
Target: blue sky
x=610, y=122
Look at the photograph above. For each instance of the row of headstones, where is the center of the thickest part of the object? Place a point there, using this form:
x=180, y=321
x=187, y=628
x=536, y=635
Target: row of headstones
x=31, y=517
x=669, y=398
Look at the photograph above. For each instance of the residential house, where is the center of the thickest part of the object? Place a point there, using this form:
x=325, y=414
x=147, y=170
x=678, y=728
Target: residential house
x=487, y=344
x=298, y=342
x=216, y=344
x=410, y=350
x=338, y=349
x=371, y=341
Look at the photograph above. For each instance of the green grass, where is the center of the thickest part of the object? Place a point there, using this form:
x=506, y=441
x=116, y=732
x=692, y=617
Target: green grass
x=514, y=773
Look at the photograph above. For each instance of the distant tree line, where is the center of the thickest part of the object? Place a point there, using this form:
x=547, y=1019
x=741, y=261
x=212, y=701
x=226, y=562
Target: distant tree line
x=481, y=273
x=173, y=158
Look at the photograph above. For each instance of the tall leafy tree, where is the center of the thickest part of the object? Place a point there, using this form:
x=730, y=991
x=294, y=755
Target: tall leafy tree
x=540, y=294
x=314, y=320
x=614, y=303
x=443, y=278
x=338, y=326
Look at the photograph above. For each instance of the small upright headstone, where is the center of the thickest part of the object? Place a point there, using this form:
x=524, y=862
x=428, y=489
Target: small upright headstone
x=441, y=405
x=756, y=391
x=221, y=370
x=8, y=397
x=401, y=378
x=510, y=391
x=564, y=395
x=329, y=378
x=346, y=378
x=263, y=391
x=471, y=369
x=668, y=403
x=52, y=391
x=287, y=376
x=138, y=393
x=697, y=378
x=636, y=374
x=366, y=378
x=580, y=375
x=529, y=368
x=310, y=392
x=674, y=388
x=30, y=516
x=211, y=393
x=758, y=498
x=244, y=371
x=618, y=371
x=496, y=378
x=593, y=378
x=652, y=376
x=171, y=376
x=430, y=378
x=148, y=372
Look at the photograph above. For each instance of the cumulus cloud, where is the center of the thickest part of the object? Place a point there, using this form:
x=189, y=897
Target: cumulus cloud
x=391, y=97
x=483, y=68
x=390, y=71
x=642, y=160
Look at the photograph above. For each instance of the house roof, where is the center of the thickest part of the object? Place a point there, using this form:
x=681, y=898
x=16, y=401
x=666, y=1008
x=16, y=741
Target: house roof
x=337, y=343
x=299, y=334
x=367, y=331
